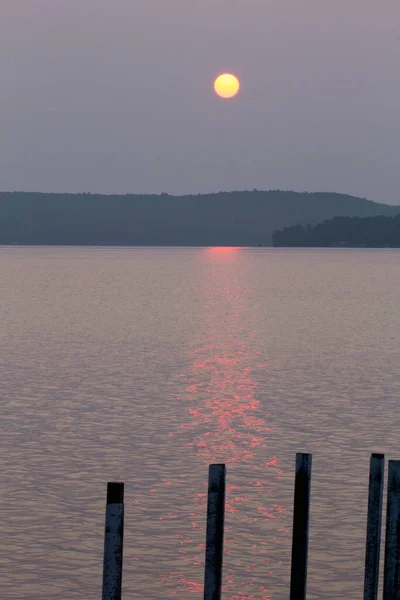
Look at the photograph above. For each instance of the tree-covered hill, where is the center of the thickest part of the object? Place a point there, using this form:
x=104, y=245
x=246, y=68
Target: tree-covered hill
x=370, y=232
x=226, y=218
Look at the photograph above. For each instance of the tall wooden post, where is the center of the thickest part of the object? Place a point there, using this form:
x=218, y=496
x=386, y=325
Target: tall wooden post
x=301, y=517
x=391, y=584
x=113, y=542
x=374, y=526
x=215, y=532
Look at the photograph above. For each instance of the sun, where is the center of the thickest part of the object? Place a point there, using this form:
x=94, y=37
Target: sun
x=226, y=85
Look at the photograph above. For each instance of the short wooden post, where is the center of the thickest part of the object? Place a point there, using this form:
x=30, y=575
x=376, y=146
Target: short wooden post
x=301, y=517
x=113, y=542
x=215, y=532
x=391, y=584
x=374, y=526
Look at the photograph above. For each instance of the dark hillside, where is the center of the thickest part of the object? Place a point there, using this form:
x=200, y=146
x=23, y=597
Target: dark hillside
x=228, y=218
x=368, y=232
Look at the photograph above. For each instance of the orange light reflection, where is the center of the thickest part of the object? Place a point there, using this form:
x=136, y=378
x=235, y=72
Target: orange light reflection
x=227, y=423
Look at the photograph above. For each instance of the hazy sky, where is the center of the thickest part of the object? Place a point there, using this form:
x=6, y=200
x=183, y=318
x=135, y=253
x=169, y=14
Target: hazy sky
x=117, y=96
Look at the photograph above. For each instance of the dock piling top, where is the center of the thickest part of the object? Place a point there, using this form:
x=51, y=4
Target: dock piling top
x=115, y=492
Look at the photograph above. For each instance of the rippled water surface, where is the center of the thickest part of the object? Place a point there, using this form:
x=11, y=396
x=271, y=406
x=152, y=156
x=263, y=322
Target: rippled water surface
x=145, y=365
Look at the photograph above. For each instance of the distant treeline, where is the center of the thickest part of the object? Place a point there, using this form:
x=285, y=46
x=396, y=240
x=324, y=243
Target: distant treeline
x=223, y=219
x=370, y=232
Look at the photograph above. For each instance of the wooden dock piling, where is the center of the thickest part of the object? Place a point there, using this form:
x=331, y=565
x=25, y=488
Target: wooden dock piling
x=215, y=532
x=114, y=532
x=113, y=542
x=374, y=526
x=391, y=584
x=301, y=517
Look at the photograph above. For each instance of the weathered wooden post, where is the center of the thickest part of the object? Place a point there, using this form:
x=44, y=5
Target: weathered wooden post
x=215, y=532
x=374, y=526
x=301, y=517
x=391, y=584
x=113, y=542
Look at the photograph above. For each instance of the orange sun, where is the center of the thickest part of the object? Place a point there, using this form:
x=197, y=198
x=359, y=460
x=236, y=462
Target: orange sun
x=226, y=85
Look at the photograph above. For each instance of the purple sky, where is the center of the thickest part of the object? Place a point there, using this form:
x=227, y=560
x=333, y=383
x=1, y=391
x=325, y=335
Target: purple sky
x=117, y=96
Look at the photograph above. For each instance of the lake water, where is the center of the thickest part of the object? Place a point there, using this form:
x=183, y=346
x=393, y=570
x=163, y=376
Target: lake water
x=145, y=365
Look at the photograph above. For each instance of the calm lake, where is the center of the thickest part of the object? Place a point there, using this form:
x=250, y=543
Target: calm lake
x=146, y=364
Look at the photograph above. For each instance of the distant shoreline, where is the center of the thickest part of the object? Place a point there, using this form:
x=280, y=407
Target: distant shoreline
x=193, y=247
x=240, y=219
x=343, y=232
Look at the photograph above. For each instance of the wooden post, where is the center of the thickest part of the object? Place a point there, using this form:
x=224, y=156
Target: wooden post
x=391, y=584
x=374, y=526
x=301, y=517
x=113, y=542
x=215, y=532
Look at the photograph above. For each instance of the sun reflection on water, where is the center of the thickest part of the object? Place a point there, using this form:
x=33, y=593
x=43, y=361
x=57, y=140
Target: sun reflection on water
x=227, y=423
